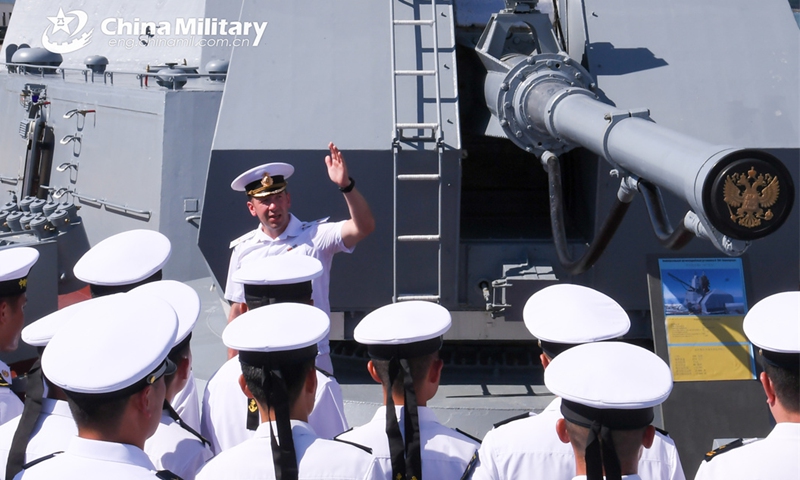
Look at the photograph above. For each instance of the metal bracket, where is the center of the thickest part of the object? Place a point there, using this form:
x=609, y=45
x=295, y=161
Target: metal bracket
x=76, y=111
x=75, y=137
x=613, y=119
x=494, y=308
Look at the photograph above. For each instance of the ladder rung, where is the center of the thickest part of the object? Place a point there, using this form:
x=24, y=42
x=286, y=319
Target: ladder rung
x=416, y=73
x=419, y=176
x=417, y=126
x=413, y=22
x=427, y=298
x=418, y=238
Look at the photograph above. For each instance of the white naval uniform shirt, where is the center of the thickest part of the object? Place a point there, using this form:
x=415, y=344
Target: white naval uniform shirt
x=174, y=448
x=10, y=404
x=317, y=458
x=530, y=448
x=319, y=239
x=775, y=457
x=445, y=453
x=86, y=459
x=224, y=421
x=187, y=403
x=53, y=430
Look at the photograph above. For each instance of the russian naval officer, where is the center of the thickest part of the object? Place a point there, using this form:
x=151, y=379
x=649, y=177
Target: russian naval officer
x=608, y=391
x=229, y=418
x=773, y=327
x=403, y=340
x=175, y=446
x=15, y=264
x=561, y=317
x=110, y=361
x=280, y=232
x=123, y=262
x=277, y=345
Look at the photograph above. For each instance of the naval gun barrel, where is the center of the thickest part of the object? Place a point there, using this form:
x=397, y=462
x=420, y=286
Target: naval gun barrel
x=545, y=103
x=700, y=172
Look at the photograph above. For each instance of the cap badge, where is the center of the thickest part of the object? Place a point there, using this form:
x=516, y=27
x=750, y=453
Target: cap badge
x=252, y=405
x=266, y=180
x=5, y=374
x=23, y=282
x=750, y=194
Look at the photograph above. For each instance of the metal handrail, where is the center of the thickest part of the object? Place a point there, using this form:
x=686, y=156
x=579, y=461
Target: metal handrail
x=108, y=77
x=61, y=191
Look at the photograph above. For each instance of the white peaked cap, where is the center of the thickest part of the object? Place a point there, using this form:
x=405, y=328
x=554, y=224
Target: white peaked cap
x=403, y=323
x=573, y=314
x=181, y=297
x=774, y=323
x=111, y=345
x=257, y=173
x=279, y=270
x=39, y=333
x=279, y=327
x=609, y=375
x=125, y=258
x=16, y=262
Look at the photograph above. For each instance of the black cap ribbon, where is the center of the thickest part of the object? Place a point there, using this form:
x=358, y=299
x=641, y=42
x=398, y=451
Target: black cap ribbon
x=30, y=413
x=405, y=454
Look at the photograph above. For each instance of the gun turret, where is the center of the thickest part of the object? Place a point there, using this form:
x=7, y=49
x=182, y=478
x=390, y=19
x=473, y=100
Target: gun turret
x=547, y=104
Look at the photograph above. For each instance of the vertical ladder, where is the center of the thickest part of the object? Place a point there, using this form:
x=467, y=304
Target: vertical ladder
x=398, y=135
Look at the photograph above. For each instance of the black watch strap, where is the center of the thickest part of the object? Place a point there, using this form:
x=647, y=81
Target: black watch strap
x=348, y=188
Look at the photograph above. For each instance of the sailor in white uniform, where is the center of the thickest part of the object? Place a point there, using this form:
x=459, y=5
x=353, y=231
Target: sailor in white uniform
x=608, y=391
x=46, y=424
x=773, y=326
x=15, y=264
x=403, y=340
x=123, y=262
x=562, y=316
x=279, y=232
x=110, y=360
x=229, y=418
x=175, y=446
x=277, y=345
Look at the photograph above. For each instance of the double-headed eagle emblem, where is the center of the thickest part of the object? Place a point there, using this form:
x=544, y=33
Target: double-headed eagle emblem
x=749, y=194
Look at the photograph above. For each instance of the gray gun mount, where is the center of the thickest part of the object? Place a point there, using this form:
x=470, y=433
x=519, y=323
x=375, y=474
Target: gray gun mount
x=547, y=104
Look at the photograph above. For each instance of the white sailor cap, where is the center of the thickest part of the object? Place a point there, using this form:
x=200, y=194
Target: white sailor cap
x=773, y=325
x=277, y=279
x=39, y=333
x=15, y=264
x=608, y=386
x=609, y=375
x=122, y=261
x=113, y=347
x=403, y=330
x=279, y=270
x=181, y=297
x=263, y=180
x=567, y=315
x=282, y=327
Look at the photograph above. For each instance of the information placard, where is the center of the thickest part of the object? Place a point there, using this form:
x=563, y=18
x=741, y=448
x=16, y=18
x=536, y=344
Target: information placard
x=704, y=307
